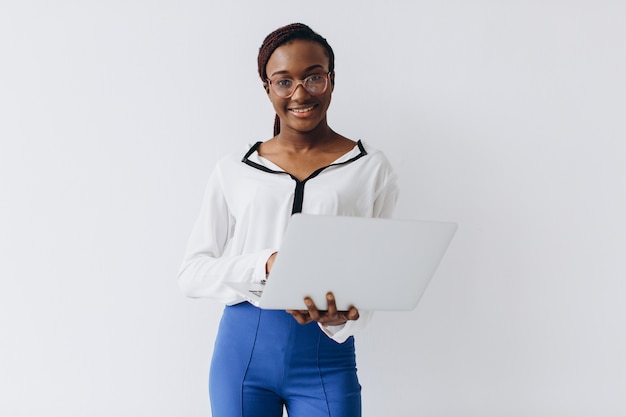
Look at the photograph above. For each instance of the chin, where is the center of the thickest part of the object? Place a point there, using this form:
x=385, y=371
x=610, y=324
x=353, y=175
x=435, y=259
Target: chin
x=304, y=126
x=304, y=129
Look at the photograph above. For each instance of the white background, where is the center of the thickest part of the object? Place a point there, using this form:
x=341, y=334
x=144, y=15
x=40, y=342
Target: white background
x=505, y=116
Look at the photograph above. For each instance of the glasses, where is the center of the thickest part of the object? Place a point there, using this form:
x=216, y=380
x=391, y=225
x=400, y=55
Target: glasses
x=315, y=85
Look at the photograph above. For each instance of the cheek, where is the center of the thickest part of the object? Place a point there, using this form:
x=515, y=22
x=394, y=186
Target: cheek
x=328, y=99
x=277, y=103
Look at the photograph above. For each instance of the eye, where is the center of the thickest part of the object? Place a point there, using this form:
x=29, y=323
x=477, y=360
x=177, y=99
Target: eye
x=283, y=83
x=315, y=78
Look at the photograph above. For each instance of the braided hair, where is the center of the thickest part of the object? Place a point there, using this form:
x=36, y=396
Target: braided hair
x=282, y=36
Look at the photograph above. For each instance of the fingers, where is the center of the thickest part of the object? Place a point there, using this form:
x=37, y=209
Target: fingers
x=353, y=314
x=309, y=315
x=330, y=317
x=332, y=305
x=301, y=316
x=312, y=308
x=339, y=316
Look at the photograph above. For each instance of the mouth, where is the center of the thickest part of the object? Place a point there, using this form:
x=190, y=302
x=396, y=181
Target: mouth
x=302, y=111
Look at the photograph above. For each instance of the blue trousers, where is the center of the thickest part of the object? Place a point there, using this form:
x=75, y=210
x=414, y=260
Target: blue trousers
x=264, y=360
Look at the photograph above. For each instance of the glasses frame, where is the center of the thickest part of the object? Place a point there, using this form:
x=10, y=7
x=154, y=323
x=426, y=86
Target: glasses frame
x=302, y=83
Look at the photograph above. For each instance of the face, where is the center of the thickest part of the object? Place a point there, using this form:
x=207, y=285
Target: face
x=297, y=60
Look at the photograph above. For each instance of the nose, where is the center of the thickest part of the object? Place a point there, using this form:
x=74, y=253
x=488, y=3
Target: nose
x=299, y=92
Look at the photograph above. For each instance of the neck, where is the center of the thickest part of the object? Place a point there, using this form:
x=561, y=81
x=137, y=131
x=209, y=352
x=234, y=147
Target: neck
x=302, y=141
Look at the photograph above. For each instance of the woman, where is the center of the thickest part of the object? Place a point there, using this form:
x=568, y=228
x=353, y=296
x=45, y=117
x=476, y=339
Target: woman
x=263, y=359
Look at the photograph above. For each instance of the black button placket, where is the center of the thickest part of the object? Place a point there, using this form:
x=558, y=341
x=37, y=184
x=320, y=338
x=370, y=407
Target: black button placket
x=298, y=198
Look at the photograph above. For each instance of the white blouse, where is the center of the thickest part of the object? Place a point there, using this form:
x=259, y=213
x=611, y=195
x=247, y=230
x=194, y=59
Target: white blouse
x=247, y=205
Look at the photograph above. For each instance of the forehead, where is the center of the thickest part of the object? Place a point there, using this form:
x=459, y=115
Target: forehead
x=296, y=56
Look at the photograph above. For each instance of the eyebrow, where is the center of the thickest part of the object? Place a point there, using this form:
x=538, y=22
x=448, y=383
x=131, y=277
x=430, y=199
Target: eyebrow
x=305, y=70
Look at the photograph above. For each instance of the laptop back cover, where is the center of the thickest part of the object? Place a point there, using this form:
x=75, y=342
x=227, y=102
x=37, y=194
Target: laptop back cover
x=371, y=263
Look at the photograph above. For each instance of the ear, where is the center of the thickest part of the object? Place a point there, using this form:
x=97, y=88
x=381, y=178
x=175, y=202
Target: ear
x=267, y=88
x=332, y=81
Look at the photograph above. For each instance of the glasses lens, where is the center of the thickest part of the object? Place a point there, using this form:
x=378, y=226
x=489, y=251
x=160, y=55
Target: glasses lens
x=315, y=84
x=283, y=87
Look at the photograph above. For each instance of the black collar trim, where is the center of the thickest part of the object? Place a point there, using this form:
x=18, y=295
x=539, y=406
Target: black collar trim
x=299, y=191
x=255, y=147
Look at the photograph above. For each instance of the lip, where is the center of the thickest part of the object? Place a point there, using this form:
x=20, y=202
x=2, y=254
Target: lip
x=302, y=111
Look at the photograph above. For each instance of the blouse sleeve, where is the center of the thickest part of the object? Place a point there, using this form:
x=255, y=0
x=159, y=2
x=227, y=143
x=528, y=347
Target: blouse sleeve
x=205, y=268
x=385, y=201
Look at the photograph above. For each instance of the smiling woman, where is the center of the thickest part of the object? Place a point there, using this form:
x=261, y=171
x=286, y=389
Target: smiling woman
x=283, y=36
x=292, y=65
x=265, y=360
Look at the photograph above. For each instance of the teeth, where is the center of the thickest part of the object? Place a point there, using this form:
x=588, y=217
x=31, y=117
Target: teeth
x=302, y=110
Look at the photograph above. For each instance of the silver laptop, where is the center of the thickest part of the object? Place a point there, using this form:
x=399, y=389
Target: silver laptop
x=371, y=263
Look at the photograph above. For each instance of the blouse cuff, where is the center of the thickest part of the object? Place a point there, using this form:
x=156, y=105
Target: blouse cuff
x=331, y=331
x=343, y=332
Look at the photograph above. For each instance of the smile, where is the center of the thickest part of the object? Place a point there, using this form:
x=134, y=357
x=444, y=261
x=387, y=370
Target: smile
x=302, y=109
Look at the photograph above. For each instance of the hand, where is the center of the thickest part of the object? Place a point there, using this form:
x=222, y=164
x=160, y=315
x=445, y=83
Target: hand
x=270, y=263
x=330, y=317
